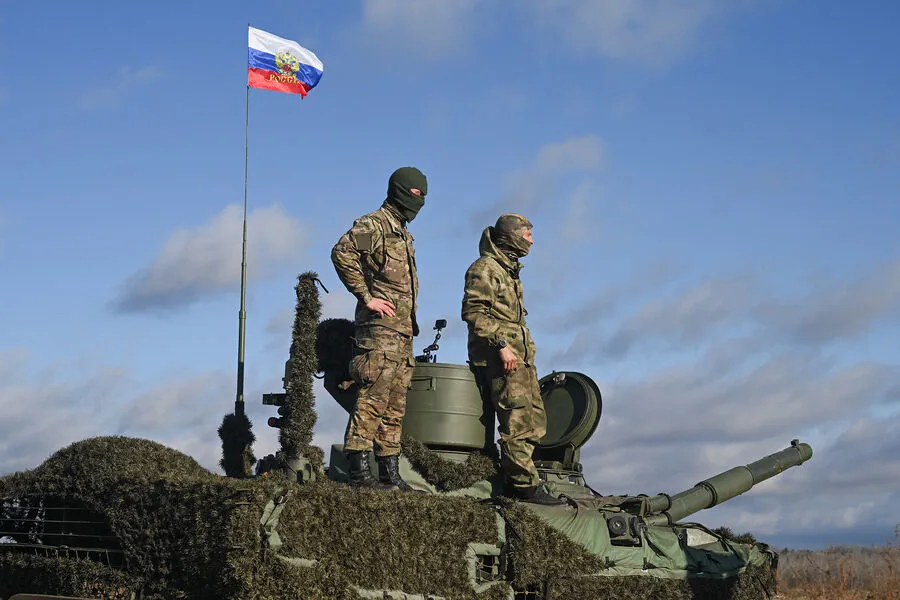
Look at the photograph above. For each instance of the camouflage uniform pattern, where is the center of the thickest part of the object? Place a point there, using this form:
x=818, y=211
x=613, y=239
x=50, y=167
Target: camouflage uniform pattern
x=375, y=259
x=493, y=307
x=520, y=415
x=382, y=367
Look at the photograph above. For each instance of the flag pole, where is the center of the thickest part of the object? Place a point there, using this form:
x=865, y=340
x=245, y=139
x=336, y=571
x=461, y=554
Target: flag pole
x=242, y=314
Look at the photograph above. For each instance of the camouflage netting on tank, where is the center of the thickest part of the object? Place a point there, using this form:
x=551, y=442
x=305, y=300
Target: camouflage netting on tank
x=741, y=538
x=180, y=526
x=444, y=474
x=189, y=533
x=237, y=445
x=54, y=576
x=299, y=405
x=755, y=583
x=192, y=534
x=334, y=346
x=416, y=543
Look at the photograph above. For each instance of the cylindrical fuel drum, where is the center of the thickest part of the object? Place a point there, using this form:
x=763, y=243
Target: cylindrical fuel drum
x=445, y=411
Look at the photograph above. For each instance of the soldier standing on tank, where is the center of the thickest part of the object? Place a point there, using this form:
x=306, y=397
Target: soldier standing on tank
x=376, y=262
x=501, y=351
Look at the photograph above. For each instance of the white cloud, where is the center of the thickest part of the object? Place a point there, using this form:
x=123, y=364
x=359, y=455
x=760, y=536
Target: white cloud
x=12, y=364
x=706, y=310
x=788, y=393
x=178, y=403
x=651, y=32
x=581, y=221
x=838, y=309
x=531, y=187
x=575, y=154
x=40, y=416
x=690, y=317
x=207, y=259
x=127, y=81
x=416, y=28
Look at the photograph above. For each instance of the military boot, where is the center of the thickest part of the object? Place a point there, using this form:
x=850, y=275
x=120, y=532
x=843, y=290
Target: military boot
x=360, y=475
x=536, y=495
x=389, y=472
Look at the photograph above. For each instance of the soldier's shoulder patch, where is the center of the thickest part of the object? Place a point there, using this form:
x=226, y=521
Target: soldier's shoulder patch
x=363, y=233
x=362, y=240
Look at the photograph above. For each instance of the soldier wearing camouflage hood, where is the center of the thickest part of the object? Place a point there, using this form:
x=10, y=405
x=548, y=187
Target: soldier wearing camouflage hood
x=376, y=262
x=501, y=351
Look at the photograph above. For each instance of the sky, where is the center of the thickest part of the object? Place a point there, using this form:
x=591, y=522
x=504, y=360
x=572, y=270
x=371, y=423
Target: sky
x=713, y=187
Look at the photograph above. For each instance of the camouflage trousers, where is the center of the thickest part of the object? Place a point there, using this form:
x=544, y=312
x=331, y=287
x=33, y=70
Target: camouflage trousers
x=382, y=367
x=520, y=417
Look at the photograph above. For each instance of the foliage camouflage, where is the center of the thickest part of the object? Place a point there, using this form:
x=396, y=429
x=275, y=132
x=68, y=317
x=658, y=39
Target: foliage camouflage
x=185, y=531
x=192, y=534
x=755, y=583
x=334, y=345
x=82, y=578
x=447, y=475
x=180, y=526
x=237, y=445
x=388, y=540
x=299, y=404
x=740, y=538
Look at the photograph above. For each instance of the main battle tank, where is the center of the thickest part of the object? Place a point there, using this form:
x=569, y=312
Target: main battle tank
x=117, y=517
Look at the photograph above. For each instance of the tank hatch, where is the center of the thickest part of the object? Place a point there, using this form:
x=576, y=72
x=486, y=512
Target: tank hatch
x=573, y=404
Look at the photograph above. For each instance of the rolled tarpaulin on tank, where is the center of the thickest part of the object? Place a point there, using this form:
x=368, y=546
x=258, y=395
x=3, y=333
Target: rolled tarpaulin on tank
x=730, y=483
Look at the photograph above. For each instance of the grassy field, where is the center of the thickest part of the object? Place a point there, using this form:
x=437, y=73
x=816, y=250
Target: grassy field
x=841, y=573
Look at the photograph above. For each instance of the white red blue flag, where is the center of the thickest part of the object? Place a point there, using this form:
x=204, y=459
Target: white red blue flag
x=281, y=65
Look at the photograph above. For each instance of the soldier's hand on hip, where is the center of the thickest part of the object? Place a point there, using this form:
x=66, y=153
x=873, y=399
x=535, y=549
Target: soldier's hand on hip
x=509, y=359
x=382, y=307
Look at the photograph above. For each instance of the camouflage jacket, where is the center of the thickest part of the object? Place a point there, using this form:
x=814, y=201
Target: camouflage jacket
x=493, y=306
x=375, y=259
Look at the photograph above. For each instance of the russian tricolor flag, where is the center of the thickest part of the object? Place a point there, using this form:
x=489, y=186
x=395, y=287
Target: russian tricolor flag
x=281, y=65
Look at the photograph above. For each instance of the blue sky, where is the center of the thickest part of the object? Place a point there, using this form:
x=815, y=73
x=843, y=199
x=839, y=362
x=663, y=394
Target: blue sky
x=713, y=186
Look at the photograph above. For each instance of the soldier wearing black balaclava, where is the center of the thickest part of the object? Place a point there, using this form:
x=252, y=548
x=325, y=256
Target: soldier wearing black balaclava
x=501, y=351
x=376, y=262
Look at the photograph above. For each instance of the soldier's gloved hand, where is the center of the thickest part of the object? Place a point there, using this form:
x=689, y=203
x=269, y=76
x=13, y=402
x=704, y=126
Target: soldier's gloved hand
x=509, y=359
x=382, y=307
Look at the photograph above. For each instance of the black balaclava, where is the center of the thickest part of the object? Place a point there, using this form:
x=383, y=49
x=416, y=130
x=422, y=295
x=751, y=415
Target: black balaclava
x=398, y=194
x=507, y=235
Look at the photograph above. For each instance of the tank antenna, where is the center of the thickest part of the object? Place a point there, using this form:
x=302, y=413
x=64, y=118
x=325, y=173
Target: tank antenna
x=242, y=314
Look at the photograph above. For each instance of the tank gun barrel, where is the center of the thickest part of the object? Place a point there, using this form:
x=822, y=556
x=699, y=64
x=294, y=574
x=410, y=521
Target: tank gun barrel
x=724, y=486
